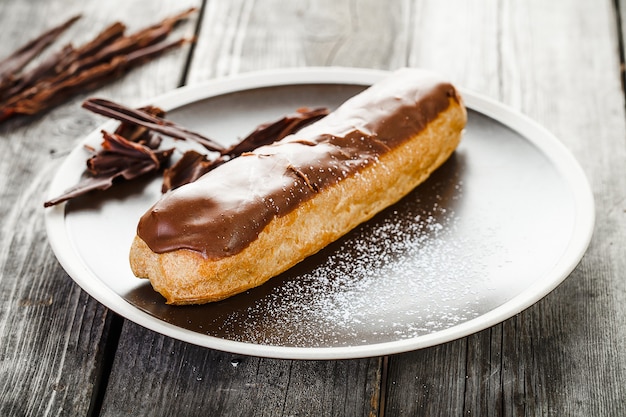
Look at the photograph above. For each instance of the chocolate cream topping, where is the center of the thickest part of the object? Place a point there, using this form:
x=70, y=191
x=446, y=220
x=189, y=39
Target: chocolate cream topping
x=222, y=212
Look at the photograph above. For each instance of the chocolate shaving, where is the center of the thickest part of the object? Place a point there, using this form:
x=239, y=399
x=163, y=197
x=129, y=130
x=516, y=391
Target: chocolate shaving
x=142, y=118
x=119, y=158
x=275, y=131
x=18, y=59
x=106, y=37
x=131, y=151
x=69, y=71
x=193, y=164
x=141, y=134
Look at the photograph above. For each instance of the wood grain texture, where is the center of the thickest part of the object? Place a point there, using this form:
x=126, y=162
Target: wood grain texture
x=244, y=35
x=556, y=62
x=158, y=376
x=52, y=334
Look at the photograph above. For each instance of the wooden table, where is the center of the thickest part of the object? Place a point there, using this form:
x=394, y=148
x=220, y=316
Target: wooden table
x=559, y=62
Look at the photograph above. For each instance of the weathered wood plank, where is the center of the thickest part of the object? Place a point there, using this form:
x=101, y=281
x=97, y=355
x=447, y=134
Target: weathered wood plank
x=244, y=35
x=557, y=62
x=159, y=376
x=52, y=335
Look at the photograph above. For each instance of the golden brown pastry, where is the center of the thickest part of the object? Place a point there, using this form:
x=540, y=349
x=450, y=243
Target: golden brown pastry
x=261, y=213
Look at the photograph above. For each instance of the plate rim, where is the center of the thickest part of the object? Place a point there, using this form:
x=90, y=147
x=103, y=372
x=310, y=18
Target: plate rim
x=551, y=147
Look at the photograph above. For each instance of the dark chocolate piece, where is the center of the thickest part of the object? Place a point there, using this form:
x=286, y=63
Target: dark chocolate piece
x=193, y=165
x=152, y=122
x=74, y=70
x=119, y=158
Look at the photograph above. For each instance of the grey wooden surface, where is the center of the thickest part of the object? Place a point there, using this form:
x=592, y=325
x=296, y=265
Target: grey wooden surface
x=559, y=62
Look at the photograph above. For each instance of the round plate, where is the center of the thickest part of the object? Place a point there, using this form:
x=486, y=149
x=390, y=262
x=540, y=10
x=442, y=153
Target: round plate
x=495, y=229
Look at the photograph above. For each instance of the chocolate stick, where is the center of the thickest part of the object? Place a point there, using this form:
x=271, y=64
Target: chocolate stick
x=57, y=89
x=107, y=36
x=62, y=61
x=126, y=45
x=109, y=55
x=17, y=60
x=166, y=127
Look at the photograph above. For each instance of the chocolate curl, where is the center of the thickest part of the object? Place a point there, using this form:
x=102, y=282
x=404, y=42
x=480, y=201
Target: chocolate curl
x=275, y=131
x=118, y=159
x=70, y=71
x=131, y=152
x=106, y=37
x=18, y=59
x=140, y=134
x=138, y=47
x=126, y=114
x=193, y=165
x=69, y=60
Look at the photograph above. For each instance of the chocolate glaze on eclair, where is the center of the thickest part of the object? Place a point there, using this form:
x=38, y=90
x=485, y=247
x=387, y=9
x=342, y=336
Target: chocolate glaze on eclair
x=221, y=213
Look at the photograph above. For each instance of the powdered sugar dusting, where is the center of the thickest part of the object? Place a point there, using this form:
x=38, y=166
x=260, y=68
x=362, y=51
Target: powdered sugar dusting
x=398, y=276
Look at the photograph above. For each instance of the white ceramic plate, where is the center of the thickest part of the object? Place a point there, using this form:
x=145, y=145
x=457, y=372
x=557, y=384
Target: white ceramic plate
x=495, y=229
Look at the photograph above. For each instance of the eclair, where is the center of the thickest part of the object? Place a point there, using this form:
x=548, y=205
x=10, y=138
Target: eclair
x=261, y=213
